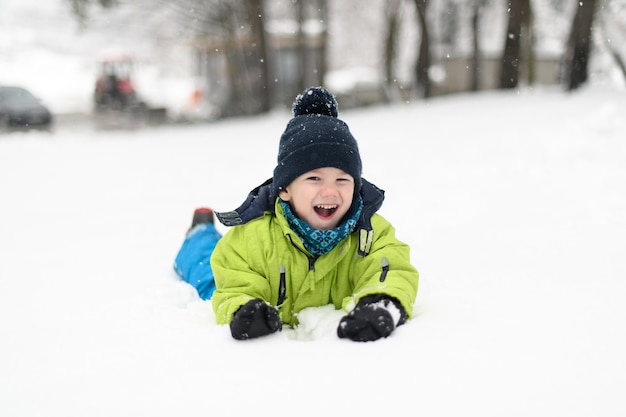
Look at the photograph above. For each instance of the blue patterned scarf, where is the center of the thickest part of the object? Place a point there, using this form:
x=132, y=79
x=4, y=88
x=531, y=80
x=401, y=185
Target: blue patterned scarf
x=316, y=241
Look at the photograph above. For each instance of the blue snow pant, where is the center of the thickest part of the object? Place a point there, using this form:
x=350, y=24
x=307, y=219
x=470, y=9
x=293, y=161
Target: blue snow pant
x=192, y=263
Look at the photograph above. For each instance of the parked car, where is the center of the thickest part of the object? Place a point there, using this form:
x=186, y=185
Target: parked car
x=19, y=108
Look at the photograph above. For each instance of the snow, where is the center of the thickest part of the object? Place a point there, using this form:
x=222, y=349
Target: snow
x=512, y=203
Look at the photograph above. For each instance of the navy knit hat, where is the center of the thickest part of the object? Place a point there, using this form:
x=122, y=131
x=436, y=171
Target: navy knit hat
x=316, y=138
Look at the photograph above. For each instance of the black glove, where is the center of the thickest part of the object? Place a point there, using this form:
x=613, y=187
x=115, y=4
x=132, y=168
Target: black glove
x=253, y=319
x=371, y=319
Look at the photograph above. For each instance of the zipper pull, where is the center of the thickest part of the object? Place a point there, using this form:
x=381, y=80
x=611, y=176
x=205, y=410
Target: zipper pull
x=385, y=265
x=282, y=287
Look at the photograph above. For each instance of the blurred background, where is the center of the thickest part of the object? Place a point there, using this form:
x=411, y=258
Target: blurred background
x=183, y=61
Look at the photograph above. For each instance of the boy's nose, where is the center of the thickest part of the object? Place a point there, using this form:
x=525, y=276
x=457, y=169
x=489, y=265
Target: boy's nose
x=329, y=190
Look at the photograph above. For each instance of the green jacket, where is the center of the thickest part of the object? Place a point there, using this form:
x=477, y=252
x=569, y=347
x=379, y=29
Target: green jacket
x=264, y=258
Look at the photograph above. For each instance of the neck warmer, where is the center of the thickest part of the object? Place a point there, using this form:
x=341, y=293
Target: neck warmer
x=316, y=241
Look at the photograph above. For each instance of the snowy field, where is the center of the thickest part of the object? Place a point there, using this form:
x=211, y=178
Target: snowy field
x=513, y=204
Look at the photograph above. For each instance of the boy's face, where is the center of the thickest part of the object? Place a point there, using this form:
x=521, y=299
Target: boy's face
x=320, y=197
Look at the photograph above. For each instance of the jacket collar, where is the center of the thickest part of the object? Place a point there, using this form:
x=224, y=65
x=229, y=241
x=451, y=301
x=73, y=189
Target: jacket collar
x=262, y=199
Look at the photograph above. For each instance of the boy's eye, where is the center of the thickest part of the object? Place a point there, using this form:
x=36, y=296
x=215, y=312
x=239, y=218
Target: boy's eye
x=313, y=178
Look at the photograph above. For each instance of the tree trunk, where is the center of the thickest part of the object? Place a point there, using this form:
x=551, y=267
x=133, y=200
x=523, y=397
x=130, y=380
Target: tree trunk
x=255, y=16
x=233, y=105
x=246, y=59
x=257, y=19
x=530, y=43
x=608, y=40
x=391, y=39
x=476, y=70
x=422, y=67
x=322, y=66
x=301, y=45
x=576, y=58
x=509, y=74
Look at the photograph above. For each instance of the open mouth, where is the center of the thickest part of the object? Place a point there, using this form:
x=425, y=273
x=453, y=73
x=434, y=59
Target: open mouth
x=325, y=210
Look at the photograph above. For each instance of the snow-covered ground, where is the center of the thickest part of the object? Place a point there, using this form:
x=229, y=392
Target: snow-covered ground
x=513, y=204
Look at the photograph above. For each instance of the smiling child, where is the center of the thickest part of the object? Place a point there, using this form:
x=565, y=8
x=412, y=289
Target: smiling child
x=310, y=236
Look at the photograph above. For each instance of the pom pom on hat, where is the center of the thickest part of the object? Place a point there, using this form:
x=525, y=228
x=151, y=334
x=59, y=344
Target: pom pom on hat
x=316, y=138
x=315, y=100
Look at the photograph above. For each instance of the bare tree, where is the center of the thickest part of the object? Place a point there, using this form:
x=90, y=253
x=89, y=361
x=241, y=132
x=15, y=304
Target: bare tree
x=322, y=64
x=519, y=12
x=392, y=19
x=247, y=57
x=301, y=44
x=610, y=29
x=232, y=30
x=576, y=57
x=80, y=7
x=311, y=45
x=476, y=54
x=422, y=67
x=530, y=44
x=255, y=18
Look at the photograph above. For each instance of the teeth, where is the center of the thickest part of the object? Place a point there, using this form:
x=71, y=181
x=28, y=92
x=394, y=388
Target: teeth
x=327, y=206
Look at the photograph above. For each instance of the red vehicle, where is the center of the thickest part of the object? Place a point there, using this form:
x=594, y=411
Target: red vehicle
x=114, y=85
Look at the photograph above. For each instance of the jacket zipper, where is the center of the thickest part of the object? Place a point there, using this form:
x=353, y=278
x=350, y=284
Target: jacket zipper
x=282, y=287
x=311, y=259
x=383, y=274
x=282, y=284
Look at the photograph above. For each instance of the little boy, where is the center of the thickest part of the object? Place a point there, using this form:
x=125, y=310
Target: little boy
x=310, y=236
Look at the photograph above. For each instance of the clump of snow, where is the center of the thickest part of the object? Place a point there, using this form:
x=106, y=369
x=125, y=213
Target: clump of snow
x=316, y=323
